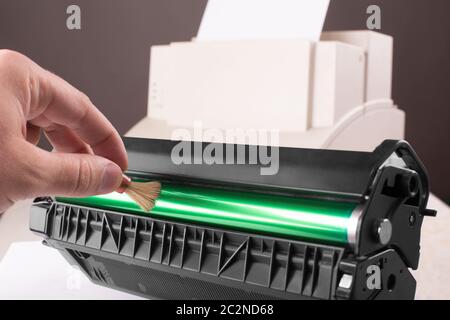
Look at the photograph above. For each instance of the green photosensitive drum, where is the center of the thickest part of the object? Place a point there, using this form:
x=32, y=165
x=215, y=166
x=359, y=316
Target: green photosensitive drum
x=278, y=215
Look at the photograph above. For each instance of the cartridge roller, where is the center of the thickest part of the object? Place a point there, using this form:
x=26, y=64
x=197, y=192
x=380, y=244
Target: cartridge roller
x=301, y=218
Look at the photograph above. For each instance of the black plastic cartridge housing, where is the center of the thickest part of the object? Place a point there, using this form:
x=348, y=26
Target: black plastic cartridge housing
x=170, y=259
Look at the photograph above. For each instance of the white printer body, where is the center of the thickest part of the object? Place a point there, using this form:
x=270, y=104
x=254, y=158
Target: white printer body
x=334, y=93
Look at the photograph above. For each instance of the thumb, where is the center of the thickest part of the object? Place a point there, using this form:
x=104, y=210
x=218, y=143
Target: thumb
x=68, y=174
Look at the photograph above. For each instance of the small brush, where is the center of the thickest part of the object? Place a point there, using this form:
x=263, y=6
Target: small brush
x=143, y=193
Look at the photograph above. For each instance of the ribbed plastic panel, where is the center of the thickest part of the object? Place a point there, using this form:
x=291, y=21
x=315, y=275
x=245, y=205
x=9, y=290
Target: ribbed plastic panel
x=157, y=284
x=249, y=261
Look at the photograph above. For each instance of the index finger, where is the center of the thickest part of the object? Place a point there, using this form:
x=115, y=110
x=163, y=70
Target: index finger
x=65, y=105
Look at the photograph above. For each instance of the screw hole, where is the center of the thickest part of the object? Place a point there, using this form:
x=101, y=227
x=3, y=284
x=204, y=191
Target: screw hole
x=413, y=186
x=391, y=283
x=412, y=219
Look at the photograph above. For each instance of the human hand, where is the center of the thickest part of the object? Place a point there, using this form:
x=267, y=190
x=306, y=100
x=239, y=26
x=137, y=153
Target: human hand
x=89, y=154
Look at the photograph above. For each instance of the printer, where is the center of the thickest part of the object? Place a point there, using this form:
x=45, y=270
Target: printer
x=334, y=93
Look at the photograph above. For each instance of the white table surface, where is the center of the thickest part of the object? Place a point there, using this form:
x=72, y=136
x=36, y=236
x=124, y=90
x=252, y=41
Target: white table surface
x=30, y=270
x=33, y=271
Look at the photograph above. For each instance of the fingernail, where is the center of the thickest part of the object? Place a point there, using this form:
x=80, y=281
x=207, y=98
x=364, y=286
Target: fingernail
x=110, y=179
x=124, y=185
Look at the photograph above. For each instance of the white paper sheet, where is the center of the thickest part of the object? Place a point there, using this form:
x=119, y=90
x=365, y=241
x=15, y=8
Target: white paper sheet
x=262, y=19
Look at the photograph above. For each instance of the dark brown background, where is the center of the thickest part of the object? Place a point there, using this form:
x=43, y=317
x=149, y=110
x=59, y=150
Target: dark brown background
x=109, y=57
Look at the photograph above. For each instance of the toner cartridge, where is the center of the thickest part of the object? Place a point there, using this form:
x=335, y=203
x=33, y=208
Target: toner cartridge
x=328, y=225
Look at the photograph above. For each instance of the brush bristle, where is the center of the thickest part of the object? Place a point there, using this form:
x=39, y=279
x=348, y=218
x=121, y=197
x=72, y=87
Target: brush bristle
x=144, y=193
